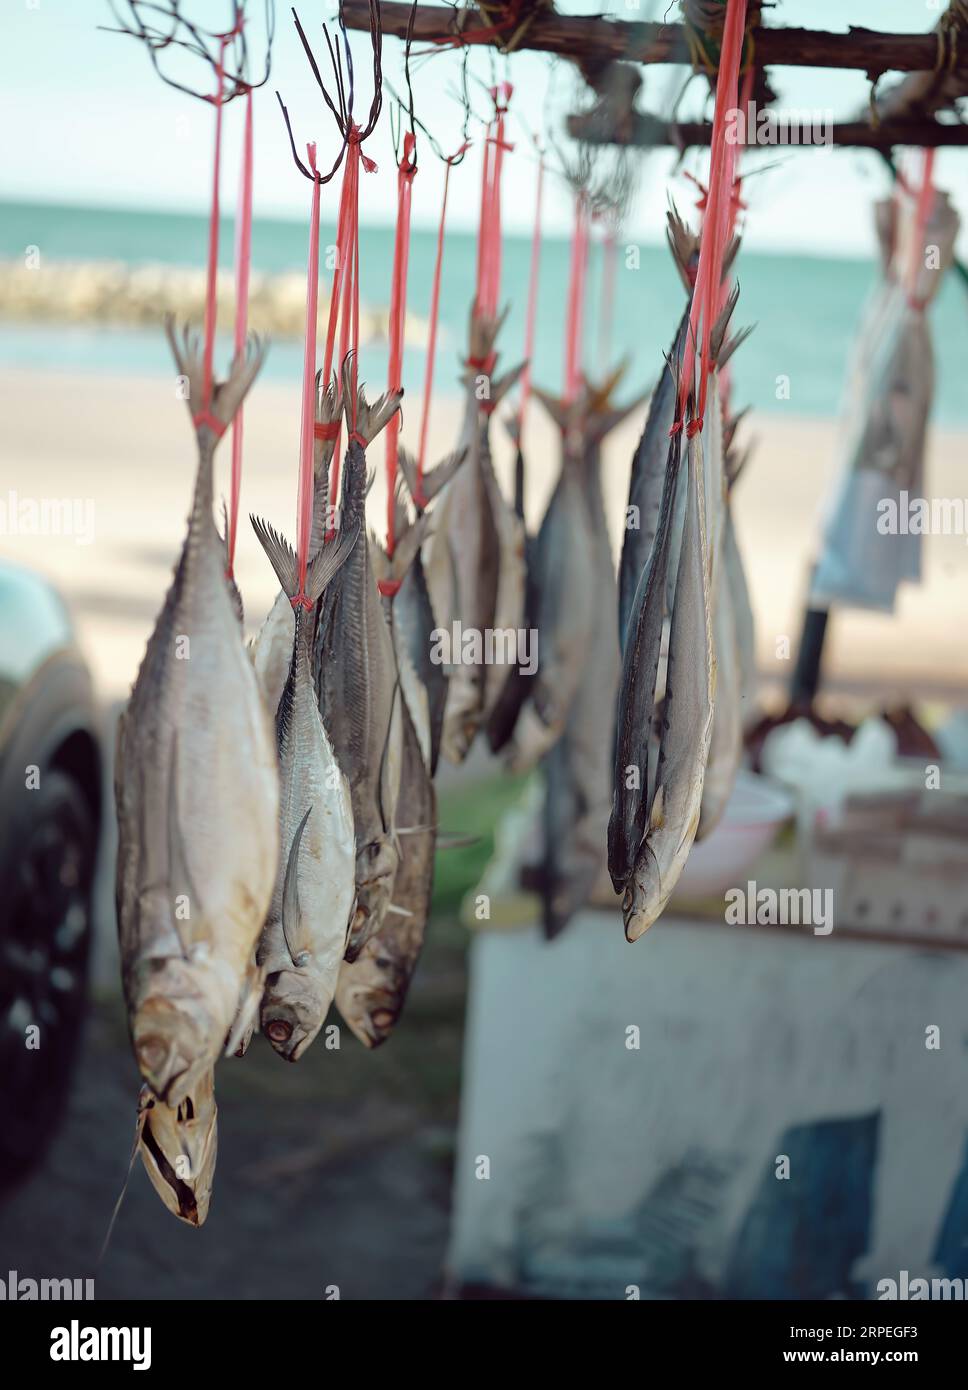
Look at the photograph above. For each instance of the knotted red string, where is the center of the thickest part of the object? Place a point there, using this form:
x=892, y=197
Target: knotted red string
x=532, y=310
x=576, y=300
x=489, y=235
x=722, y=162
x=307, y=431
x=344, y=304
x=204, y=415
x=432, y=337
x=398, y=315
x=243, y=259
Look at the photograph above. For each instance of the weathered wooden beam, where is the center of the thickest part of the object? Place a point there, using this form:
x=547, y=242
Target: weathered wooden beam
x=648, y=132
x=577, y=36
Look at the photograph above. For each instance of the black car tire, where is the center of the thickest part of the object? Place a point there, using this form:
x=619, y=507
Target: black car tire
x=46, y=881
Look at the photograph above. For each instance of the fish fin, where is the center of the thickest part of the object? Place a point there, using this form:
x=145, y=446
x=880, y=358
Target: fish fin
x=290, y=890
x=370, y=419
x=370, y=480
x=281, y=555
x=656, y=815
x=432, y=481
x=227, y=395
x=453, y=839
x=555, y=407
x=732, y=343
x=483, y=335
x=407, y=546
x=329, y=409
x=717, y=335
x=730, y=427
x=246, y=1013
x=605, y=421
x=328, y=560
x=684, y=246
x=735, y=463
x=503, y=384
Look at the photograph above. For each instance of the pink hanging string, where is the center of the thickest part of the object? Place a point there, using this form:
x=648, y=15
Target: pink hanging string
x=243, y=260
x=432, y=337
x=532, y=311
x=722, y=163
x=922, y=215
x=398, y=319
x=576, y=300
x=304, y=505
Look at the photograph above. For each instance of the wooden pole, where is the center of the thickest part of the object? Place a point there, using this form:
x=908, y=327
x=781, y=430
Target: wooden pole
x=648, y=132
x=575, y=36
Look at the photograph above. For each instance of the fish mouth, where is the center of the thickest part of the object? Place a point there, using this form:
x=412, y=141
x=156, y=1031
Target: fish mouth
x=163, y=1067
x=177, y=1195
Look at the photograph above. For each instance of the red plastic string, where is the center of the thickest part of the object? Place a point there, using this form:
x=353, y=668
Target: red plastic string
x=722, y=163
x=213, y=230
x=532, y=311
x=345, y=295
x=925, y=205
x=432, y=338
x=398, y=315
x=243, y=259
x=308, y=420
x=489, y=235
x=576, y=300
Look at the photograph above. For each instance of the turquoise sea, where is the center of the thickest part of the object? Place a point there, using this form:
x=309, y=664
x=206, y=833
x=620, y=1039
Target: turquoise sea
x=805, y=309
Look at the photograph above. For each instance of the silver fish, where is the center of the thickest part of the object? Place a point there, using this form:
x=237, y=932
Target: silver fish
x=315, y=893
x=197, y=792
x=674, y=809
x=475, y=557
x=650, y=457
x=372, y=990
x=272, y=649
x=577, y=769
x=357, y=686
x=178, y=1147
x=414, y=621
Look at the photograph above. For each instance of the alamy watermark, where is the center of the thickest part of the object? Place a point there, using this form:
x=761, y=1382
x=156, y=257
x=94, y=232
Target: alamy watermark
x=780, y=907
x=491, y=646
x=904, y=1287
x=905, y=515
x=47, y=516
x=16, y=1288
x=755, y=125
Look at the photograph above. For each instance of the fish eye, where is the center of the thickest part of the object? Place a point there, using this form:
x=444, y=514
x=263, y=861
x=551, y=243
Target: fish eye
x=374, y=850
x=383, y=963
x=279, y=1030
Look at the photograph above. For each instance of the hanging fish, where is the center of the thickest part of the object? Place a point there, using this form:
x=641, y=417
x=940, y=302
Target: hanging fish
x=475, y=557
x=673, y=808
x=372, y=989
x=570, y=546
x=178, y=1147
x=272, y=649
x=413, y=615
x=197, y=792
x=315, y=893
x=356, y=682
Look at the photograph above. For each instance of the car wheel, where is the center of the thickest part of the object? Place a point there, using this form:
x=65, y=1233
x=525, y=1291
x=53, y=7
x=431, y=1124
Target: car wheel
x=45, y=933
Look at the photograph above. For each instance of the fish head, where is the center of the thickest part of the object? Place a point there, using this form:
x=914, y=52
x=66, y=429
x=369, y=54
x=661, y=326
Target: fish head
x=178, y=1146
x=295, y=1002
x=376, y=869
x=372, y=991
x=646, y=897
x=171, y=1030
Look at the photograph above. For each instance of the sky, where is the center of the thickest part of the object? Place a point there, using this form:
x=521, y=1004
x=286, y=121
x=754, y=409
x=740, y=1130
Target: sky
x=91, y=123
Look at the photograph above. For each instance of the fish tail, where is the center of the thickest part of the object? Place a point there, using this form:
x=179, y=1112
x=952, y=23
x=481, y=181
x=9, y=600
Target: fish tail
x=684, y=246
x=370, y=418
x=503, y=384
x=226, y=396
x=281, y=555
x=329, y=560
x=425, y=489
x=717, y=334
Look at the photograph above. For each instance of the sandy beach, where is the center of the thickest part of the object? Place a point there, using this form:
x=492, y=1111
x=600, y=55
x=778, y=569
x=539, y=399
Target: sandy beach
x=123, y=446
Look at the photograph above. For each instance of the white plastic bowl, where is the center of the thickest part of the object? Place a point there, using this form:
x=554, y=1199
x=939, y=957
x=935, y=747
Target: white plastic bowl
x=753, y=816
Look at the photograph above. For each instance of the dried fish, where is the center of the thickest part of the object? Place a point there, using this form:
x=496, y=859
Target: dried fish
x=197, y=794
x=178, y=1147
